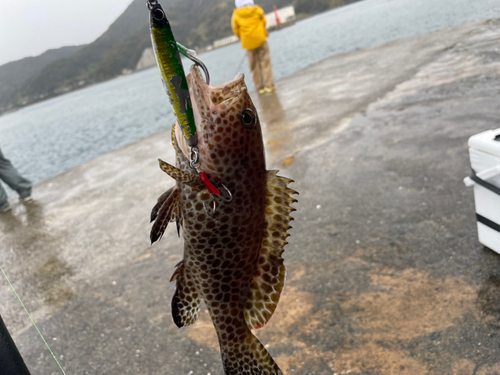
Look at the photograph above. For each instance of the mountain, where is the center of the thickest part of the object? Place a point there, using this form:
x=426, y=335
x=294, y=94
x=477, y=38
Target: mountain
x=15, y=73
x=196, y=24
x=76, y=71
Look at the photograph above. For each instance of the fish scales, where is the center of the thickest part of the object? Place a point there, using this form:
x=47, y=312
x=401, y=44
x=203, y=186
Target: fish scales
x=232, y=260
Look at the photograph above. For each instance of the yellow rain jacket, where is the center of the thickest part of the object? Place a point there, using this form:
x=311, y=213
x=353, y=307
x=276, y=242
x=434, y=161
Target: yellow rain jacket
x=249, y=24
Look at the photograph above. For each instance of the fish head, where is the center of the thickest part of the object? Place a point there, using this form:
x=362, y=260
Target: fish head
x=227, y=126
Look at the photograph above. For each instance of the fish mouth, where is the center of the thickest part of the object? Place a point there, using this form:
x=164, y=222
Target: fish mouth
x=205, y=97
x=208, y=102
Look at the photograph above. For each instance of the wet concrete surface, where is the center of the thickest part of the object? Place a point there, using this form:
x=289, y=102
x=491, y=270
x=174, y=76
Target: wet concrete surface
x=384, y=271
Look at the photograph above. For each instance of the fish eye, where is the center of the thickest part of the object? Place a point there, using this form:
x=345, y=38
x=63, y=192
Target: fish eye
x=248, y=119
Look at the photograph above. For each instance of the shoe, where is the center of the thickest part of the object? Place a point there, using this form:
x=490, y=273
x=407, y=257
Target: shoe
x=270, y=89
x=262, y=92
x=26, y=199
x=8, y=208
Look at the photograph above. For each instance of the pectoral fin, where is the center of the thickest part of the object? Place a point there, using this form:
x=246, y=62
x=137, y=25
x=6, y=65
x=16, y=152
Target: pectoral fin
x=181, y=176
x=169, y=210
x=161, y=201
x=186, y=301
x=269, y=278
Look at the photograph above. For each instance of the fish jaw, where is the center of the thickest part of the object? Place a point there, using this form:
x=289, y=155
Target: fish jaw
x=218, y=112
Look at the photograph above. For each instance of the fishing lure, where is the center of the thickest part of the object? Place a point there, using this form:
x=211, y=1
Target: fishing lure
x=167, y=52
x=172, y=73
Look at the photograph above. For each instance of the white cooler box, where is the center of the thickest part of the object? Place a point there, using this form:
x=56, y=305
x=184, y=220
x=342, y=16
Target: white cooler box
x=484, y=151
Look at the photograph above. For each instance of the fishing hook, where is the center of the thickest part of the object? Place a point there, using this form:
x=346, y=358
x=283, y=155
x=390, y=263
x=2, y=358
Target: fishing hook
x=228, y=192
x=211, y=212
x=214, y=206
x=191, y=55
x=200, y=63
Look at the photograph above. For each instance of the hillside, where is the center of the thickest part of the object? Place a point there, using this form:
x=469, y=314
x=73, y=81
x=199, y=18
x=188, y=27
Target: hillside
x=15, y=73
x=69, y=73
x=196, y=24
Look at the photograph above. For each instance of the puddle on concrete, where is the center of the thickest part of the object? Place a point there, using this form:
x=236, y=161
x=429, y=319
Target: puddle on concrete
x=52, y=279
x=275, y=126
x=23, y=225
x=58, y=296
x=270, y=110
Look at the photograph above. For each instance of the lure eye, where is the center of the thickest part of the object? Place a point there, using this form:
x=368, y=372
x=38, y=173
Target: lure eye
x=158, y=14
x=248, y=119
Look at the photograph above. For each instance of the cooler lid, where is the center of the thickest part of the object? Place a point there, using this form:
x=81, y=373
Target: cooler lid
x=488, y=141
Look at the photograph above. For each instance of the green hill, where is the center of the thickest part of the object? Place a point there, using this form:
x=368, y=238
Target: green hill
x=75, y=71
x=14, y=73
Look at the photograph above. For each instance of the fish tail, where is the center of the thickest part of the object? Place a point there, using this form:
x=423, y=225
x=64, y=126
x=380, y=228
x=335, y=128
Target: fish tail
x=248, y=358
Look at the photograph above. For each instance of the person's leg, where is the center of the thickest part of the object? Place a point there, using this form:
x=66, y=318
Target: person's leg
x=4, y=203
x=267, y=68
x=253, y=61
x=11, y=177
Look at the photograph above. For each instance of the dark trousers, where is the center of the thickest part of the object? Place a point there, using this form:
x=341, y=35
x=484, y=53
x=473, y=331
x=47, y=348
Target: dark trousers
x=11, y=177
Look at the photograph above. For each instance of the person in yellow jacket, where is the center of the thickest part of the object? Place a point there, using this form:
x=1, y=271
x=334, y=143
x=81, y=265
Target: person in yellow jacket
x=249, y=25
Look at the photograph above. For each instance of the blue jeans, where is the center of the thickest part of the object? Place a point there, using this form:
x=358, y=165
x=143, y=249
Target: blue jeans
x=11, y=177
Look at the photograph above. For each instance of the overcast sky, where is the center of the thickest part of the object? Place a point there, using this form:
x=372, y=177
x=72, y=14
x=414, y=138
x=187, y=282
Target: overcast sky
x=30, y=27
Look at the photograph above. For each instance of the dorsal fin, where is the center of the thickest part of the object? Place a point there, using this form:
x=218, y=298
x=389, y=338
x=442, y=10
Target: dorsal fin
x=269, y=278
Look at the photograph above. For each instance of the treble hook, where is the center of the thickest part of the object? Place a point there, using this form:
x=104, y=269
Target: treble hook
x=228, y=192
x=211, y=212
x=214, y=206
x=191, y=55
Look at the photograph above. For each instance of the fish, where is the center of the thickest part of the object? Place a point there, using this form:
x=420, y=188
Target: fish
x=232, y=246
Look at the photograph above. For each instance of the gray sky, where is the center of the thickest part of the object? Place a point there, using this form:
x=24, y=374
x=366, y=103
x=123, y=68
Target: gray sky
x=30, y=27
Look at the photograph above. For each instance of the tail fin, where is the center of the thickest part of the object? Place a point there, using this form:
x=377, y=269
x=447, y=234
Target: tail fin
x=248, y=357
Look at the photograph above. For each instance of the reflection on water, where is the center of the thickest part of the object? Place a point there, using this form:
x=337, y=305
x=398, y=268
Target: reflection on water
x=271, y=110
x=274, y=124
x=32, y=254
x=23, y=220
x=51, y=279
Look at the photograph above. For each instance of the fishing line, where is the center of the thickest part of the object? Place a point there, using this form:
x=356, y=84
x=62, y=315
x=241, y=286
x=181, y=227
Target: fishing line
x=32, y=321
x=241, y=63
x=245, y=54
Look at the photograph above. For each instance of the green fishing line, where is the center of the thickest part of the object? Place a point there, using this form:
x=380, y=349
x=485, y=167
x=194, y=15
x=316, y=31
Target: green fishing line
x=32, y=321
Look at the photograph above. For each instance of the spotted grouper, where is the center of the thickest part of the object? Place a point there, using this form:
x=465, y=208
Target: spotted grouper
x=232, y=246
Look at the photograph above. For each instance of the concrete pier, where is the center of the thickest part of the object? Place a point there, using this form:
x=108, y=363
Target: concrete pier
x=384, y=271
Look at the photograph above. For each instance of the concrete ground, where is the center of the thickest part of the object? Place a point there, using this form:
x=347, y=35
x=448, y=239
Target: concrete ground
x=385, y=273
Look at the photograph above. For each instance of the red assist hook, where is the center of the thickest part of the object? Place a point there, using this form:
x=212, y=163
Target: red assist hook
x=211, y=187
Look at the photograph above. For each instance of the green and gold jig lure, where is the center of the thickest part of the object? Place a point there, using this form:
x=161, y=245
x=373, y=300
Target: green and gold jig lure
x=172, y=73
